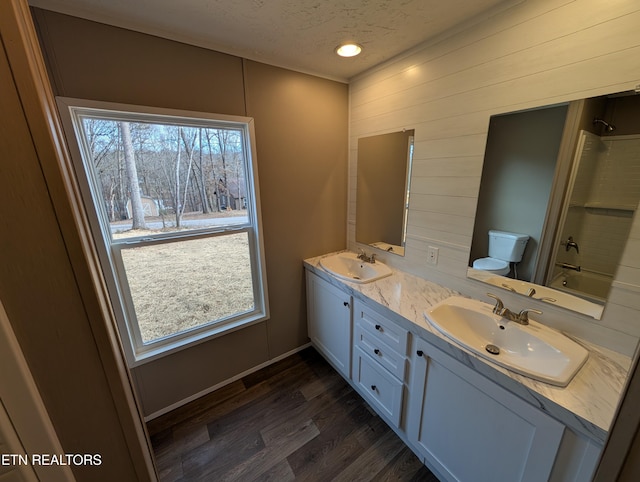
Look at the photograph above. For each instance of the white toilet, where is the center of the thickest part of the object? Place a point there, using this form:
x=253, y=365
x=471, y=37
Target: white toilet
x=504, y=248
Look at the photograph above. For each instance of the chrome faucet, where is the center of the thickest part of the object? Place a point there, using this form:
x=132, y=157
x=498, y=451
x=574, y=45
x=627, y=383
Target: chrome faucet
x=522, y=317
x=367, y=259
x=569, y=266
x=570, y=243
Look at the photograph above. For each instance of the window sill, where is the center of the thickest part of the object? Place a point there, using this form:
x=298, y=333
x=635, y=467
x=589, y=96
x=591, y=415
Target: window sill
x=188, y=340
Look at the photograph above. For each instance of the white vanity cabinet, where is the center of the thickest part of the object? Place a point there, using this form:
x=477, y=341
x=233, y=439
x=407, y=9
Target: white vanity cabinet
x=470, y=429
x=464, y=426
x=379, y=361
x=329, y=322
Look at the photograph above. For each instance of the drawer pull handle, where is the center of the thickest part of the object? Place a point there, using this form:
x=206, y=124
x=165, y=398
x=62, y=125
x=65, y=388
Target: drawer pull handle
x=378, y=327
x=346, y=303
x=376, y=351
x=374, y=388
x=419, y=353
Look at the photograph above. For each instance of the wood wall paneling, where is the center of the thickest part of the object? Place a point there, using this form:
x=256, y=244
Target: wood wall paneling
x=532, y=54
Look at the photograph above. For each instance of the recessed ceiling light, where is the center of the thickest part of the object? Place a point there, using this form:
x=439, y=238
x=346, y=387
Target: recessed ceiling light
x=348, y=50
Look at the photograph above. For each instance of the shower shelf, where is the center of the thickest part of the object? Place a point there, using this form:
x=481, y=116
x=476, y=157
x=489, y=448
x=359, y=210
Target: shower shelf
x=617, y=207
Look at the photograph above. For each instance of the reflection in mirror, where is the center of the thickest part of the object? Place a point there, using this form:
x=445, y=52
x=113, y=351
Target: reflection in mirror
x=562, y=180
x=382, y=192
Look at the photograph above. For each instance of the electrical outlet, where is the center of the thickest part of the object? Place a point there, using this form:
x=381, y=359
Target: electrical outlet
x=432, y=255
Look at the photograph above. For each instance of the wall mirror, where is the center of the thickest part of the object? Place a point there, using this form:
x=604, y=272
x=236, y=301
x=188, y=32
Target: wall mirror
x=382, y=192
x=558, y=194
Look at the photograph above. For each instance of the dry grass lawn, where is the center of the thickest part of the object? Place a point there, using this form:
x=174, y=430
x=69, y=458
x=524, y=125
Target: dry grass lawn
x=178, y=286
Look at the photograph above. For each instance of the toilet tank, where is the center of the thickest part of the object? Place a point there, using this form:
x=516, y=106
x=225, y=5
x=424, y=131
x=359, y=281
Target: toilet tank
x=507, y=246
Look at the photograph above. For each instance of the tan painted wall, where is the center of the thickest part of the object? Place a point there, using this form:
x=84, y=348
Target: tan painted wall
x=530, y=55
x=45, y=280
x=301, y=136
x=89, y=60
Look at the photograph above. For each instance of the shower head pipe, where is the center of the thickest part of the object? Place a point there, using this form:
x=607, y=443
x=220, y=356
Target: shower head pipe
x=607, y=127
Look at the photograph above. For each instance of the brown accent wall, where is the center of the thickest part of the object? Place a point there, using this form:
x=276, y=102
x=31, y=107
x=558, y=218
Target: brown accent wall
x=46, y=279
x=301, y=136
x=90, y=60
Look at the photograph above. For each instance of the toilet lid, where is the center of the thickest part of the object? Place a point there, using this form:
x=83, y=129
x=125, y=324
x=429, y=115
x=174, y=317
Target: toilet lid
x=490, y=264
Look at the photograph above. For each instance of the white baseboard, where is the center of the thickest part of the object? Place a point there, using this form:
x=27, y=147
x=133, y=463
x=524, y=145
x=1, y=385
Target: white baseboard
x=215, y=387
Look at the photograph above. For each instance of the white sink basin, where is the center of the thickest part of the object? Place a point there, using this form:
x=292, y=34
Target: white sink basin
x=533, y=350
x=347, y=266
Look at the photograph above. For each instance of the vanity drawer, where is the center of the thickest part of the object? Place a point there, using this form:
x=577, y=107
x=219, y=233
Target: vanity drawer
x=378, y=386
x=381, y=328
x=381, y=352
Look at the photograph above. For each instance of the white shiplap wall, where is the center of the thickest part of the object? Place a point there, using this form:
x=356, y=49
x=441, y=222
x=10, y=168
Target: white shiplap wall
x=534, y=53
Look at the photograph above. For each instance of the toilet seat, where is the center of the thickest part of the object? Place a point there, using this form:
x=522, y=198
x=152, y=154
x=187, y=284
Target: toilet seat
x=493, y=265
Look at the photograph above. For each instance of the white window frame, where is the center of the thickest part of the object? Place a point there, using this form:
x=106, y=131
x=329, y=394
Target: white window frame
x=136, y=352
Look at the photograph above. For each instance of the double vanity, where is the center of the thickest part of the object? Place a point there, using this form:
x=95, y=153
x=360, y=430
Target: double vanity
x=477, y=395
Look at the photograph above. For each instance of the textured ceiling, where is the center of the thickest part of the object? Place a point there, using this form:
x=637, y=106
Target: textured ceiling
x=297, y=34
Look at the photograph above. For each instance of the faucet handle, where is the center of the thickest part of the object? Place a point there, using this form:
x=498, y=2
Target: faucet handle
x=499, y=307
x=523, y=316
x=547, y=299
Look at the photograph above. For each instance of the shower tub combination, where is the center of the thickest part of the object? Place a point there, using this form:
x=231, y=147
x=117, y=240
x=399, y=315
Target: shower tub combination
x=599, y=214
x=585, y=284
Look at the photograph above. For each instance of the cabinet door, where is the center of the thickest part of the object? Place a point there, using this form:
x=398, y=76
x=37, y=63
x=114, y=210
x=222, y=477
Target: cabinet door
x=470, y=429
x=329, y=322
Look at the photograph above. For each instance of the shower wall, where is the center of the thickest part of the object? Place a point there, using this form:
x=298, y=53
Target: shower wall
x=604, y=199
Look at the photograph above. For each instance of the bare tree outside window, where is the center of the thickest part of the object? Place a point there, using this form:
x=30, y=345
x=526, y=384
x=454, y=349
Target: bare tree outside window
x=137, y=211
x=170, y=177
x=166, y=195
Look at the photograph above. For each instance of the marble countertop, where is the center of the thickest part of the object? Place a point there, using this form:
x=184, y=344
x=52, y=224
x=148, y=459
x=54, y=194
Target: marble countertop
x=587, y=405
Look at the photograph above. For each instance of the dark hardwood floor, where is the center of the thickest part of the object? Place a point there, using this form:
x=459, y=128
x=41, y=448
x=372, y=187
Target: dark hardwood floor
x=294, y=420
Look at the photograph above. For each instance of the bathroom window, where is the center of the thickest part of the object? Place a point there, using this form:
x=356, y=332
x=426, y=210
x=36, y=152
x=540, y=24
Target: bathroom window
x=173, y=202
